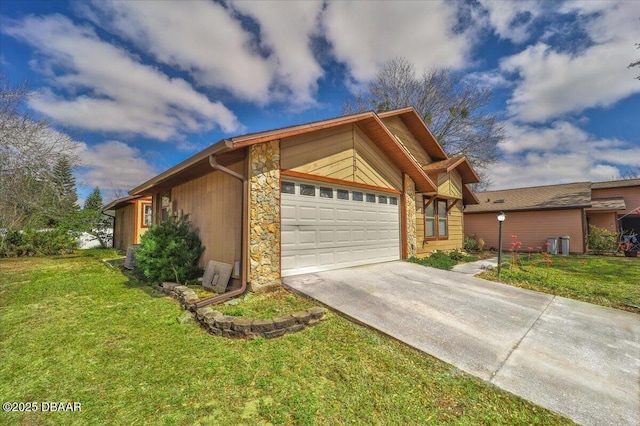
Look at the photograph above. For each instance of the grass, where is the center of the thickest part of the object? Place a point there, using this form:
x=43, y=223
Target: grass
x=74, y=329
x=603, y=280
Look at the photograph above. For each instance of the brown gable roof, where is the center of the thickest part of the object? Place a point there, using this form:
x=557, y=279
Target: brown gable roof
x=616, y=183
x=369, y=122
x=459, y=163
x=570, y=195
x=416, y=125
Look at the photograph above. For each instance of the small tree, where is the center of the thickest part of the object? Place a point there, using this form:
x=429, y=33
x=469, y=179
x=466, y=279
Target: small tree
x=170, y=252
x=601, y=241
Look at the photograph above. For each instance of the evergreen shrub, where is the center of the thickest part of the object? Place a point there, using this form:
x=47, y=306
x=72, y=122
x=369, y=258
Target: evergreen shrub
x=170, y=252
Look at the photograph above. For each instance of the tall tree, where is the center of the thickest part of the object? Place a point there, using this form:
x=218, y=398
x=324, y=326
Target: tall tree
x=93, y=201
x=63, y=208
x=456, y=112
x=29, y=149
x=92, y=211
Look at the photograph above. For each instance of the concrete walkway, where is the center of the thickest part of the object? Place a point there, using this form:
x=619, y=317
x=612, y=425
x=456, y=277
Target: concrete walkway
x=578, y=359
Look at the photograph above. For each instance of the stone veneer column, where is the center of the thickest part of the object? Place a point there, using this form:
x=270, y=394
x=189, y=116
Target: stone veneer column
x=410, y=211
x=264, y=219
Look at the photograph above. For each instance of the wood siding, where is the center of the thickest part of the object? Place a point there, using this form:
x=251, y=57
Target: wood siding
x=450, y=185
x=532, y=228
x=455, y=224
x=343, y=153
x=608, y=220
x=401, y=132
x=125, y=227
x=631, y=195
x=214, y=203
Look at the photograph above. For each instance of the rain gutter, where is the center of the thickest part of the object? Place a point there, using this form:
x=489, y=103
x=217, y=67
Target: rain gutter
x=243, y=263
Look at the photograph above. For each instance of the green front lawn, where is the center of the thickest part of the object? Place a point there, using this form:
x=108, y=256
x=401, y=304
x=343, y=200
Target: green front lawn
x=604, y=280
x=74, y=330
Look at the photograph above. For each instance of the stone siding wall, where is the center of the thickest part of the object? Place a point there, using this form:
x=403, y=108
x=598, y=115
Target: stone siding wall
x=410, y=209
x=239, y=327
x=264, y=222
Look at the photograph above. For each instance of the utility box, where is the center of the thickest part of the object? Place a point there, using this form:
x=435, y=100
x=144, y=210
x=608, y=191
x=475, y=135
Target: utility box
x=564, y=243
x=552, y=245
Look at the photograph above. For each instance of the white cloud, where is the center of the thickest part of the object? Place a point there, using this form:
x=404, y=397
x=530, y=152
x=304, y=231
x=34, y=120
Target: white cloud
x=201, y=38
x=287, y=33
x=113, y=166
x=512, y=20
x=559, y=153
x=555, y=83
x=108, y=89
x=364, y=35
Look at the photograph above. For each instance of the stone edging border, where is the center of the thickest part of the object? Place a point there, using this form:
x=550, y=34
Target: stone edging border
x=239, y=327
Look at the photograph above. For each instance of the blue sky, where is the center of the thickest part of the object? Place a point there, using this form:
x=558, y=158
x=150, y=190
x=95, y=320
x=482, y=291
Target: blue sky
x=145, y=84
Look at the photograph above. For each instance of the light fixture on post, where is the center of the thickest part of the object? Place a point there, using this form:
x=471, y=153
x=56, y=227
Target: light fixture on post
x=501, y=218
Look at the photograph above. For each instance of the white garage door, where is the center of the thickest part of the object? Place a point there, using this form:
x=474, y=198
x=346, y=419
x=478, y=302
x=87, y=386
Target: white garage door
x=329, y=227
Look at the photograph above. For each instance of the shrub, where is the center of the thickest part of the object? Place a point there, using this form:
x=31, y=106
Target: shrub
x=473, y=243
x=601, y=241
x=437, y=259
x=170, y=252
x=46, y=242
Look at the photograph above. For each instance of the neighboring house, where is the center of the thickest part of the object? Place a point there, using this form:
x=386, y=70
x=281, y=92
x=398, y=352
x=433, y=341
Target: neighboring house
x=535, y=214
x=133, y=216
x=347, y=191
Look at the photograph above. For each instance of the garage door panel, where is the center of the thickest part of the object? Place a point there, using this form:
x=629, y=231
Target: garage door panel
x=322, y=233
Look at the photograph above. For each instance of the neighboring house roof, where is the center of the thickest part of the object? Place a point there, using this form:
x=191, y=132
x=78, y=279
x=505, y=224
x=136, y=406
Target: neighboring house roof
x=616, y=184
x=369, y=122
x=570, y=195
x=612, y=203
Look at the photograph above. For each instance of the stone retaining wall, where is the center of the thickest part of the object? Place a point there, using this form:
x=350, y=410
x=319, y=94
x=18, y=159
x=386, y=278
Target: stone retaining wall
x=239, y=327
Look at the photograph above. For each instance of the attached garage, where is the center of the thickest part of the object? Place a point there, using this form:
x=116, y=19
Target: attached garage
x=327, y=226
x=331, y=194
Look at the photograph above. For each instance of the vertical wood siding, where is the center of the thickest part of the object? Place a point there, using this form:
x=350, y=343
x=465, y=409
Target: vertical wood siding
x=125, y=227
x=532, y=228
x=214, y=203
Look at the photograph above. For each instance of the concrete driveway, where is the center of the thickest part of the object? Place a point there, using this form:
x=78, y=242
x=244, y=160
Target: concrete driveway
x=578, y=359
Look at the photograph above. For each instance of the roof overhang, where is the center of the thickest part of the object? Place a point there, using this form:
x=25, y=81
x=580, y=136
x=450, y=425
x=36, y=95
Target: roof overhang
x=369, y=122
x=416, y=125
x=192, y=166
x=122, y=202
x=468, y=196
x=460, y=164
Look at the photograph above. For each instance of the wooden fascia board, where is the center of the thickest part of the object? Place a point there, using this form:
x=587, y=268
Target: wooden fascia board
x=434, y=150
x=216, y=148
x=288, y=132
x=468, y=175
x=415, y=171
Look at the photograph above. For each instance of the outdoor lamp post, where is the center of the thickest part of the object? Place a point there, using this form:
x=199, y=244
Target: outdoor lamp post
x=501, y=218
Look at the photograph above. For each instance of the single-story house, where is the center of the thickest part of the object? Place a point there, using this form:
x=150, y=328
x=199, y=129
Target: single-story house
x=535, y=214
x=133, y=216
x=353, y=190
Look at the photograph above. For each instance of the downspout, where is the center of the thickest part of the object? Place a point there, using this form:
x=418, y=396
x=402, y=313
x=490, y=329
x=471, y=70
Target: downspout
x=243, y=263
